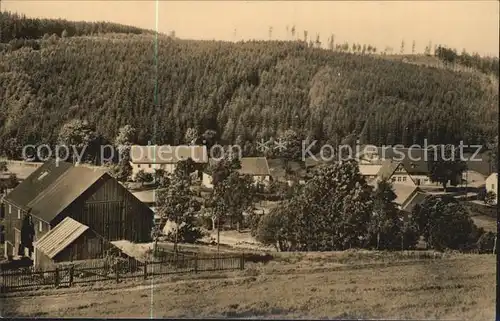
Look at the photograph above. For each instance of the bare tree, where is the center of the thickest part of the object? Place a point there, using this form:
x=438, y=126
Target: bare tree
x=305, y=36
x=293, y=32
x=402, y=50
x=318, y=42
x=413, y=48
x=270, y=32
x=331, y=42
x=287, y=32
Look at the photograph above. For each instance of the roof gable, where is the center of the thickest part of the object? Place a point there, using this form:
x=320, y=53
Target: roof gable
x=416, y=199
x=166, y=154
x=60, y=237
x=37, y=182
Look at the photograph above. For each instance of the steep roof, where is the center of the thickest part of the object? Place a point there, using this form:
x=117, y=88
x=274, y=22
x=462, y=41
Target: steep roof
x=417, y=198
x=58, y=238
x=404, y=193
x=413, y=159
x=52, y=188
x=387, y=169
x=166, y=154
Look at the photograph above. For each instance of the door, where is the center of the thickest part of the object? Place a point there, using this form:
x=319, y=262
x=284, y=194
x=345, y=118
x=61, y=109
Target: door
x=17, y=242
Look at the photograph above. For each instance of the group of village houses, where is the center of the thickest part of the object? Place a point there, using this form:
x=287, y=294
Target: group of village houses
x=65, y=212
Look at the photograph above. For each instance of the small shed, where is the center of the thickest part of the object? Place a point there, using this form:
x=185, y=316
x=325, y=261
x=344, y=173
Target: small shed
x=69, y=241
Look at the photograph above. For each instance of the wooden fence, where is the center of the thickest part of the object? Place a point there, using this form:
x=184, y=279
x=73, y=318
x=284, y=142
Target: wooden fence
x=101, y=270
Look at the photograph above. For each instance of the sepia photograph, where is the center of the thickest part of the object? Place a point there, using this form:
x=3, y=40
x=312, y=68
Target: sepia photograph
x=249, y=159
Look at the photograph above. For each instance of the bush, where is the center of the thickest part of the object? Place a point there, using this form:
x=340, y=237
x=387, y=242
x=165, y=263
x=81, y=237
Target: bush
x=486, y=242
x=489, y=198
x=188, y=233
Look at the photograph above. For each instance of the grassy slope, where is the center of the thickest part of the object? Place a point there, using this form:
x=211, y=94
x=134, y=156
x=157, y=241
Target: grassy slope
x=313, y=286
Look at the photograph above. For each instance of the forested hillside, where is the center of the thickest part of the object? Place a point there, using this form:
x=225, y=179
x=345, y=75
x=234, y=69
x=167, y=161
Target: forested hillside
x=244, y=91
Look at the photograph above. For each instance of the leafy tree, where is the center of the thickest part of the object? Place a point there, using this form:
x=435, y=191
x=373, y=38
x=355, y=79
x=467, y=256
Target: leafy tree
x=77, y=135
x=3, y=167
x=123, y=141
x=184, y=168
x=122, y=171
x=177, y=204
x=445, y=166
x=292, y=150
x=272, y=229
x=237, y=193
x=12, y=148
x=444, y=222
x=222, y=169
x=162, y=178
x=386, y=224
x=143, y=177
x=329, y=213
x=486, y=242
x=191, y=136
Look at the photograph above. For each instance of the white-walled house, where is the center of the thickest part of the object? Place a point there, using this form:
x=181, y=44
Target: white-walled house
x=387, y=170
x=492, y=184
x=256, y=167
x=152, y=157
x=414, y=161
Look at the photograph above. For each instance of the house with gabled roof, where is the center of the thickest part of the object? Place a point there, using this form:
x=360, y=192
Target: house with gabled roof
x=386, y=170
x=91, y=197
x=152, y=157
x=69, y=241
x=402, y=184
x=416, y=161
x=256, y=167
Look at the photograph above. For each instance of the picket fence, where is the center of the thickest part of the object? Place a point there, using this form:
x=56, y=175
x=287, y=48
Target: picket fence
x=101, y=271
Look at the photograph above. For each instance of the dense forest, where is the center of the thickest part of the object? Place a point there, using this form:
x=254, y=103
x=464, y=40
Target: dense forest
x=54, y=71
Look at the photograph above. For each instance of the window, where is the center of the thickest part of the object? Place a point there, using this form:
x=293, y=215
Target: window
x=149, y=165
x=40, y=226
x=138, y=165
x=404, y=178
x=399, y=179
x=18, y=214
x=393, y=179
x=492, y=186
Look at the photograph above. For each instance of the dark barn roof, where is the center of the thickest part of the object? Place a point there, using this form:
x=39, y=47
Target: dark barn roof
x=52, y=188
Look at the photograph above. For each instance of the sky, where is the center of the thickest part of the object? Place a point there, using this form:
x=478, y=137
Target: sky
x=470, y=25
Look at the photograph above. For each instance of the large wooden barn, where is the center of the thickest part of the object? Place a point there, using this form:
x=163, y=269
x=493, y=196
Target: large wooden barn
x=91, y=197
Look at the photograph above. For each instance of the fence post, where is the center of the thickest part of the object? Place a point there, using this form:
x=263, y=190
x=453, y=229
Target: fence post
x=145, y=270
x=242, y=261
x=56, y=279
x=71, y=273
